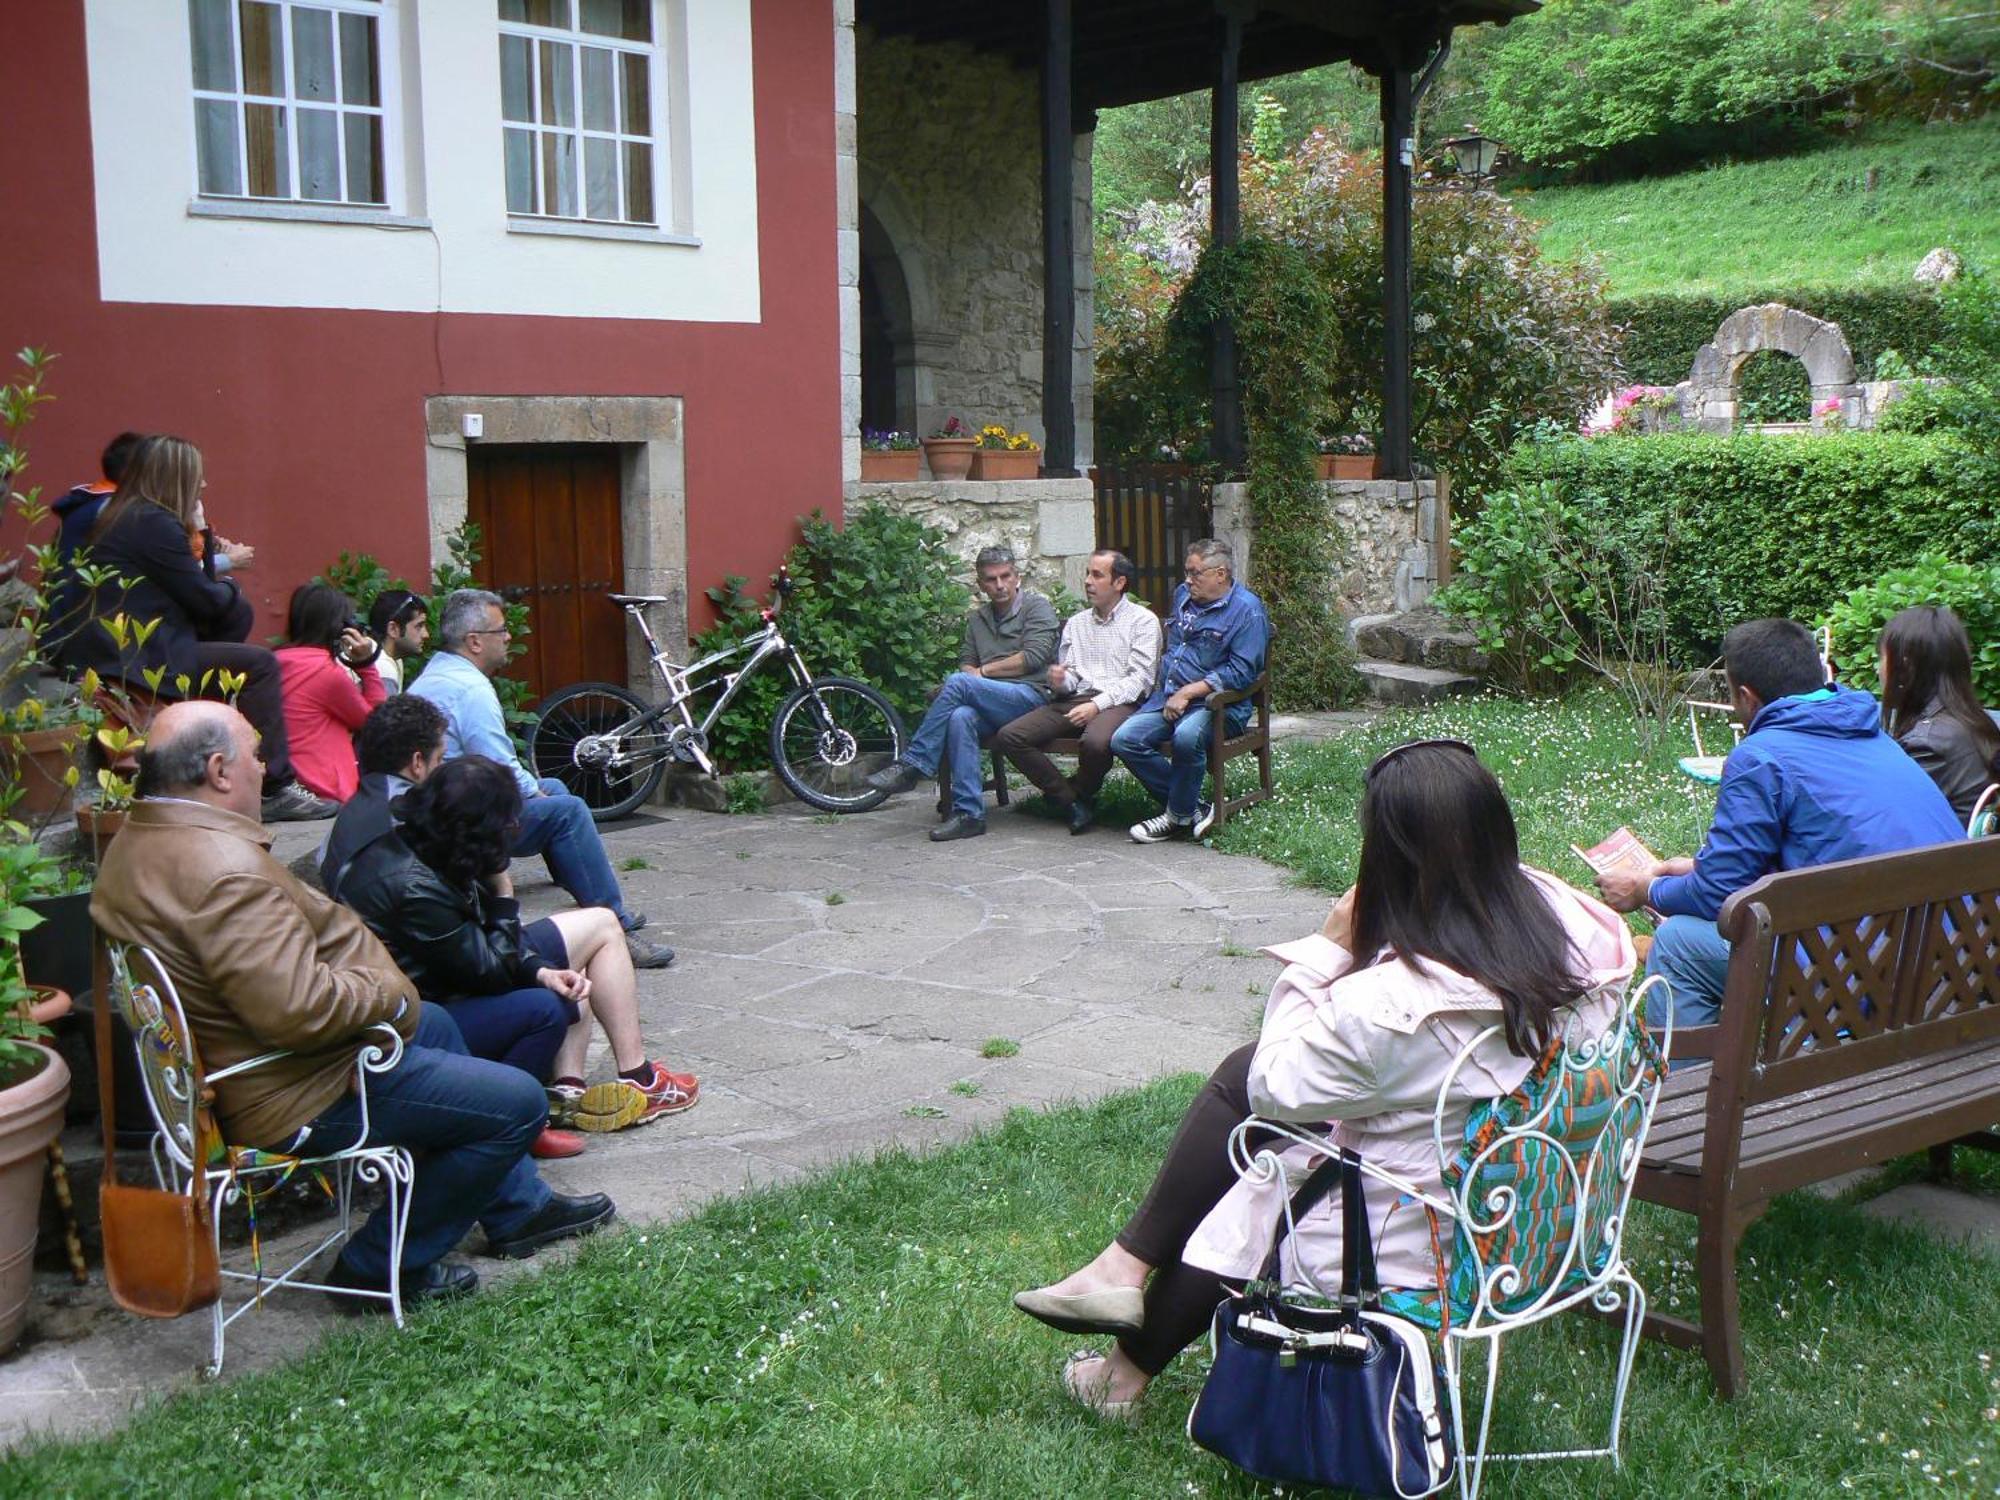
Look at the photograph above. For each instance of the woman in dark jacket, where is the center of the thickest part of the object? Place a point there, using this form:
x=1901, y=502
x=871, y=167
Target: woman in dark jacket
x=142, y=551
x=1928, y=703
x=436, y=893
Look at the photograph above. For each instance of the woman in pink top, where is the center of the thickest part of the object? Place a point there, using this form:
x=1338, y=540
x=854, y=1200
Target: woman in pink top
x=1444, y=933
x=330, y=682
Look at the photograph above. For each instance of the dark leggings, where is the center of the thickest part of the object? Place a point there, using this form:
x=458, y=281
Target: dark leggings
x=1180, y=1299
x=522, y=1028
x=261, y=699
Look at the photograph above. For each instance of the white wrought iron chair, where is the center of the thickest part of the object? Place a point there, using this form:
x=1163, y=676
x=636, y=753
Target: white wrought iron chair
x=1573, y=1133
x=186, y=1141
x=1985, y=820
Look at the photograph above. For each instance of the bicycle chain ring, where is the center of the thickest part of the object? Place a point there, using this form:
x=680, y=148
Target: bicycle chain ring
x=686, y=744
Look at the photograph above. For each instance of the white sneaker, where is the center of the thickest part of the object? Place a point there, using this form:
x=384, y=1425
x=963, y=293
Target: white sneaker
x=1158, y=830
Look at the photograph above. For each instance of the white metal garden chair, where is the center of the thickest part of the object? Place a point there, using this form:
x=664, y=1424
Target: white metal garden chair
x=186, y=1141
x=1538, y=1185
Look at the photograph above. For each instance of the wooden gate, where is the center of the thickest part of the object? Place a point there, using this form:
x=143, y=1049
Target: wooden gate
x=548, y=515
x=1151, y=513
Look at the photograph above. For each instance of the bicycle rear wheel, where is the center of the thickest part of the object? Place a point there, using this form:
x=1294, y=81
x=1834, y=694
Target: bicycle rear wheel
x=828, y=736
x=596, y=740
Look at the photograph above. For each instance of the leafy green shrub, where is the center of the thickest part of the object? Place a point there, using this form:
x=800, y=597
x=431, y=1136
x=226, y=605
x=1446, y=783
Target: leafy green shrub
x=882, y=599
x=1972, y=593
x=1663, y=333
x=1759, y=525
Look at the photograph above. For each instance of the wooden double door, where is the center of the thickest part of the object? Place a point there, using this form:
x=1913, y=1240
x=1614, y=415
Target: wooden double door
x=551, y=538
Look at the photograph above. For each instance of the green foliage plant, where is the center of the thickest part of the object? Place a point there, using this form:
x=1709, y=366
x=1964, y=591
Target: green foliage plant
x=1971, y=592
x=881, y=598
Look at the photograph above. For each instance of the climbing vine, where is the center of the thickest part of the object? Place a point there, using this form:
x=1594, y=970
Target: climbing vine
x=1288, y=350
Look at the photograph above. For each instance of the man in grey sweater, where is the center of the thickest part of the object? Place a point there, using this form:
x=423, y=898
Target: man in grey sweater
x=1002, y=673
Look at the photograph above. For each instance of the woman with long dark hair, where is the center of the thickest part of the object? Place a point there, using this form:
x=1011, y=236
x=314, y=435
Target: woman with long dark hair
x=436, y=893
x=1444, y=933
x=331, y=683
x=1929, y=706
x=143, y=549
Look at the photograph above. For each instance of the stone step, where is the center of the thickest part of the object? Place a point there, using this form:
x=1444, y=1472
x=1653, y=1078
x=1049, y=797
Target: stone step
x=1418, y=637
x=1400, y=683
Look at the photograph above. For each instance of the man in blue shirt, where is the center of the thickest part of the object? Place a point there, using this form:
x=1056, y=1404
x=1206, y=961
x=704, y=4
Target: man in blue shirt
x=472, y=641
x=1814, y=780
x=1217, y=637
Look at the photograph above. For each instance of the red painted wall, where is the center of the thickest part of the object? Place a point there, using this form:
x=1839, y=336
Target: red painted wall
x=311, y=421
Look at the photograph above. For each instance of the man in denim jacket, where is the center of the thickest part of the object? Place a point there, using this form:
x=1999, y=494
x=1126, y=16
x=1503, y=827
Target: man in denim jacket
x=1217, y=637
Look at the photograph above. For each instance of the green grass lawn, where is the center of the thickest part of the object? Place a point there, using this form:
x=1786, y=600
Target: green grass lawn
x=851, y=1335
x=1806, y=220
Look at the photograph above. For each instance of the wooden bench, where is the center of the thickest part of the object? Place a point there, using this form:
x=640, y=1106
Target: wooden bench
x=1223, y=747
x=1861, y=1021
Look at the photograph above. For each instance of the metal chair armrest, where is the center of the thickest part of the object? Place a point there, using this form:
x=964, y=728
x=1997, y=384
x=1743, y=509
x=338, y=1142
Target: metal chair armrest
x=381, y=1055
x=249, y=1064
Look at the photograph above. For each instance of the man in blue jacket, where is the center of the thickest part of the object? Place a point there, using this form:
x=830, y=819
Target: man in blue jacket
x=1814, y=780
x=1217, y=636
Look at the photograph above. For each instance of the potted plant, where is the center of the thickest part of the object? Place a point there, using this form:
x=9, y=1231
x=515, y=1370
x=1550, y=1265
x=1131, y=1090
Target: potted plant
x=34, y=1081
x=888, y=457
x=39, y=739
x=1349, y=456
x=948, y=451
x=1005, y=455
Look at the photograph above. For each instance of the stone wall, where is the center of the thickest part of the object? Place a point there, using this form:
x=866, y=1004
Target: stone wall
x=1390, y=533
x=1050, y=523
x=947, y=165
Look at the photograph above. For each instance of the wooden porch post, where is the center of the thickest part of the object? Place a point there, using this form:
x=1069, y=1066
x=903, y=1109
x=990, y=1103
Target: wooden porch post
x=1058, y=244
x=1225, y=228
x=1398, y=126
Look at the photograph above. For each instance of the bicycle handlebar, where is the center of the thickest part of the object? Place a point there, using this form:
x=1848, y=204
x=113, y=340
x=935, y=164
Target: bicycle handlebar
x=782, y=587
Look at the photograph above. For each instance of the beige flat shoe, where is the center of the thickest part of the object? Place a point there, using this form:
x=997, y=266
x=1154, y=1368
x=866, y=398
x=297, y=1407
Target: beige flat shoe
x=1120, y=1309
x=1111, y=1411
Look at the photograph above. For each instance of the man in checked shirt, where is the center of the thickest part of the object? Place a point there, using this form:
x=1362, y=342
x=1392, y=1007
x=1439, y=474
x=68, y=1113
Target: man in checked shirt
x=1105, y=665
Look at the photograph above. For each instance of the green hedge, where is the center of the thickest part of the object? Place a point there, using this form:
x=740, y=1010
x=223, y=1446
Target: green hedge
x=1771, y=525
x=1662, y=334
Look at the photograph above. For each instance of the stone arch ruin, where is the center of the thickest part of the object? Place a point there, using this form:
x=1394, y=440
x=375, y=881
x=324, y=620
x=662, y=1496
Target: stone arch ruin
x=1709, y=396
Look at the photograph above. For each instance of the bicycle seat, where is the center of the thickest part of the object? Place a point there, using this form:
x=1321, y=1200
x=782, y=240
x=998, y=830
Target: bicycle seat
x=638, y=598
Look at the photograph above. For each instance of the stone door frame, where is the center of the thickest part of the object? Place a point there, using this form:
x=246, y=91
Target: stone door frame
x=652, y=487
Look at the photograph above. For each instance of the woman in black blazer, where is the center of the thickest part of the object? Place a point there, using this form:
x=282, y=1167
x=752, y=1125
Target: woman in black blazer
x=142, y=553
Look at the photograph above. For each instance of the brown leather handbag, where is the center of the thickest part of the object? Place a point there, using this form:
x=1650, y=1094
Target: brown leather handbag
x=159, y=1246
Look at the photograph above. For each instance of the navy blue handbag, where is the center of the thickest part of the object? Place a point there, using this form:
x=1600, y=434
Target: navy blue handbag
x=1343, y=1397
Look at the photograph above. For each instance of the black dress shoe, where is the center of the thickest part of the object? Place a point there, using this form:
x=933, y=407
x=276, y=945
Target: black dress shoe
x=1081, y=816
x=561, y=1218
x=958, y=826
x=894, y=777
x=440, y=1281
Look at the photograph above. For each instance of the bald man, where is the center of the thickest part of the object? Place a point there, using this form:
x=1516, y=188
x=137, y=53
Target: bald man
x=264, y=963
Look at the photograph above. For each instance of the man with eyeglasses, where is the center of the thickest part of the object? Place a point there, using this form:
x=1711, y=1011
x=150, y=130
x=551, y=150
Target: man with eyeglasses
x=472, y=649
x=1217, y=639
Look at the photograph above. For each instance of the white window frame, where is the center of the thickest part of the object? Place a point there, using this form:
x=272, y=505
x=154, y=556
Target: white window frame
x=387, y=15
x=664, y=120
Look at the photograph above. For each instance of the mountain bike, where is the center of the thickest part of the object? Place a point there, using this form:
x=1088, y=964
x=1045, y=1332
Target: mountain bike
x=611, y=748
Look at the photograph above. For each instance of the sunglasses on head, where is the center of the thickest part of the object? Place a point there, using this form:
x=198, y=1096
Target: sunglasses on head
x=1390, y=754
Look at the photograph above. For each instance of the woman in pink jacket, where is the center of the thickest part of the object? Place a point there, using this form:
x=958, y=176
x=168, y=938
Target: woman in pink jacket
x=330, y=683
x=1444, y=934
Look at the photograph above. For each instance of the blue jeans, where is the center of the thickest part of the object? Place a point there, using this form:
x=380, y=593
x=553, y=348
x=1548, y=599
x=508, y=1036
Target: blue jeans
x=965, y=711
x=1694, y=958
x=467, y=1122
x=522, y=1028
x=1175, y=778
x=559, y=828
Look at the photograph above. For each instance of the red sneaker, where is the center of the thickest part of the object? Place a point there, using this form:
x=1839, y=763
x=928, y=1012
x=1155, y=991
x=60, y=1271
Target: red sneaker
x=554, y=1145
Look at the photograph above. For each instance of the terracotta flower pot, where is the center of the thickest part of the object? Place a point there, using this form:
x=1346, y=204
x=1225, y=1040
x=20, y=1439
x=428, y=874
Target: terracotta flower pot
x=1007, y=463
x=891, y=466
x=950, y=458
x=97, y=826
x=31, y=1115
x=1350, y=466
x=40, y=759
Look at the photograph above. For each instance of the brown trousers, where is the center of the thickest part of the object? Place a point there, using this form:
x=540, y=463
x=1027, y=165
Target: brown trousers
x=1021, y=741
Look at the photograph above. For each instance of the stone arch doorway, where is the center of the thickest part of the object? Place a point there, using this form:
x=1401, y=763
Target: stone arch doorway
x=888, y=342
x=1713, y=399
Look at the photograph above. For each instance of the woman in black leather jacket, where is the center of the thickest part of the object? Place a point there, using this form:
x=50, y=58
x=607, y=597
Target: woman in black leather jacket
x=436, y=892
x=1929, y=705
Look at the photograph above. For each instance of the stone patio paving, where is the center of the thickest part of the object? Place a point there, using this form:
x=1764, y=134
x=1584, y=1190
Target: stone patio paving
x=836, y=978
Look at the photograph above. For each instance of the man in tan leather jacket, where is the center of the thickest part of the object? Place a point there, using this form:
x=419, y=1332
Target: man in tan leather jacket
x=265, y=964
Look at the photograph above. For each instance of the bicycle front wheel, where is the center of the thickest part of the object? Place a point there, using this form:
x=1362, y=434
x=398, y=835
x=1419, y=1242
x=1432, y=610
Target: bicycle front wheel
x=595, y=738
x=826, y=739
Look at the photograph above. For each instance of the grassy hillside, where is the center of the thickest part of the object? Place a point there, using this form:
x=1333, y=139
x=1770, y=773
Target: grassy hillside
x=1807, y=220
